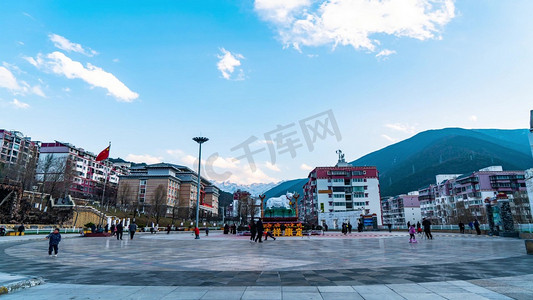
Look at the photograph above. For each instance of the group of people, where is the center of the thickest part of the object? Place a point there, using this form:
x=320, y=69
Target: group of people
x=472, y=224
x=347, y=228
x=426, y=224
x=230, y=229
x=257, y=230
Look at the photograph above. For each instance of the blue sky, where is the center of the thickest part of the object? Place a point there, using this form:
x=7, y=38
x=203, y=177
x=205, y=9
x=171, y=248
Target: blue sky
x=150, y=75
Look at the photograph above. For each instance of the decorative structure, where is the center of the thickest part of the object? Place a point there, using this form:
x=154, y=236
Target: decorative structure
x=507, y=217
x=280, y=215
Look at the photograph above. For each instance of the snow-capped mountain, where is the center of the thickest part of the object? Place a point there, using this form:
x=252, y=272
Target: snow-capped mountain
x=255, y=189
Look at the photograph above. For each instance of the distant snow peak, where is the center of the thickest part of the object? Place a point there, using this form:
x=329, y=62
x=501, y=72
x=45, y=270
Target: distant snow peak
x=255, y=189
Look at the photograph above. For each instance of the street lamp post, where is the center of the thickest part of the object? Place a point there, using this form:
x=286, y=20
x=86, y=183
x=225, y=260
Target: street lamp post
x=200, y=140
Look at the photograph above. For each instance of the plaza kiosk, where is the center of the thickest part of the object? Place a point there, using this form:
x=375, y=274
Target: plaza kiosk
x=280, y=215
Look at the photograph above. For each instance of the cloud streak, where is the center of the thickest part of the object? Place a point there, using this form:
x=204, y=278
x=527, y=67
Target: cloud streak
x=58, y=63
x=18, y=104
x=66, y=45
x=354, y=22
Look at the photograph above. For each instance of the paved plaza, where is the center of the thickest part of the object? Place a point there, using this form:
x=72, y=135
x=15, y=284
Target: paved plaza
x=370, y=265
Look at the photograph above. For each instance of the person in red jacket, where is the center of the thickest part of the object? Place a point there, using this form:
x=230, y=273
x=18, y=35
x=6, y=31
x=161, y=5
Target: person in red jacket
x=197, y=232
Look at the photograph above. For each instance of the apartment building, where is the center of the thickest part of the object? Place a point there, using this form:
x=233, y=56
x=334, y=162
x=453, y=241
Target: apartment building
x=399, y=210
x=341, y=194
x=65, y=168
x=456, y=197
x=18, y=154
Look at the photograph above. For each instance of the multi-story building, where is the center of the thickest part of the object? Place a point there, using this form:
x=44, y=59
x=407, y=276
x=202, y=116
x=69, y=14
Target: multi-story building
x=341, y=194
x=179, y=186
x=399, y=210
x=63, y=168
x=18, y=155
x=460, y=198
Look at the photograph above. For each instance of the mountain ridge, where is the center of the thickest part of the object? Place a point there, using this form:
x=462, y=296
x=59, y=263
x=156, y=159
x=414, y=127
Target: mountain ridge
x=412, y=163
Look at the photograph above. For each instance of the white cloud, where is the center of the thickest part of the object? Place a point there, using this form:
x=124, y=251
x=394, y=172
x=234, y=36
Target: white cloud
x=388, y=138
x=353, y=22
x=67, y=89
x=228, y=62
x=272, y=167
x=59, y=63
x=19, y=104
x=144, y=158
x=306, y=167
x=116, y=60
x=64, y=44
x=385, y=53
x=220, y=169
x=8, y=80
x=406, y=128
x=473, y=118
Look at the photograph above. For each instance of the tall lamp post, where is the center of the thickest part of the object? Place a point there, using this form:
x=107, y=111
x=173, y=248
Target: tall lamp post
x=200, y=140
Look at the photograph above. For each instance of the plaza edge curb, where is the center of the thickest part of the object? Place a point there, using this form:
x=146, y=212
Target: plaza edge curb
x=20, y=285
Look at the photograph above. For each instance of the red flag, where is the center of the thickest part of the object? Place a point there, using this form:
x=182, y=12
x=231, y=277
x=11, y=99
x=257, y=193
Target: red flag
x=103, y=155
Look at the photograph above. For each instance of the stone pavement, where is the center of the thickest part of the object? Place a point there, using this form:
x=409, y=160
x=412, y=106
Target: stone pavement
x=361, y=266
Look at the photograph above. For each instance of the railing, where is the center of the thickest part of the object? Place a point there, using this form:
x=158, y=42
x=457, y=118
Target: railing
x=518, y=227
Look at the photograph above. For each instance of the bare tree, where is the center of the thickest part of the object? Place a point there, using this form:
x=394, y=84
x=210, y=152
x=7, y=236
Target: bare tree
x=159, y=202
x=123, y=196
x=51, y=171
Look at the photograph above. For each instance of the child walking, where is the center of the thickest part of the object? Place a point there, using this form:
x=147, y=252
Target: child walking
x=412, y=237
x=54, y=239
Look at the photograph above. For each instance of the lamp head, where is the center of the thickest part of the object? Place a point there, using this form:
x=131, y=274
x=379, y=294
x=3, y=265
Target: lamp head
x=200, y=139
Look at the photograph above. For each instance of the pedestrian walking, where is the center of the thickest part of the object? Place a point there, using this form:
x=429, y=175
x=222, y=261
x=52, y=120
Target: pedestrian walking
x=21, y=229
x=390, y=227
x=113, y=228
x=476, y=225
x=106, y=228
x=253, y=230
x=412, y=237
x=132, y=229
x=462, y=227
x=120, y=231
x=53, y=242
x=197, y=232
x=226, y=229
x=418, y=228
x=343, y=228
x=168, y=229
x=471, y=225
x=206, y=230
x=349, y=227
x=427, y=228
x=260, y=229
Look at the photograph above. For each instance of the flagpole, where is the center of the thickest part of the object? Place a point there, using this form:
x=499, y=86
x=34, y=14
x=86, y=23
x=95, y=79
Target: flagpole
x=105, y=183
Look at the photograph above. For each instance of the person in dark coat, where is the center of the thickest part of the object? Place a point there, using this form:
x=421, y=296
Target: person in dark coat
x=168, y=229
x=253, y=230
x=132, y=229
x=476, y=225
x=120, y=231
x=462, y=227
x=260, y=229
x=226, y=229
x=349, y=228
x=427, y=228
x=113, y=228
x=53, y=242
x=21, y=229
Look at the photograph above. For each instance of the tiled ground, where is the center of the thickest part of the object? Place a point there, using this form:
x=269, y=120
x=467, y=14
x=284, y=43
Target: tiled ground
x=329, y=267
